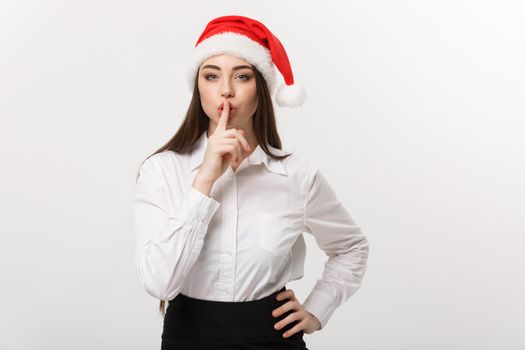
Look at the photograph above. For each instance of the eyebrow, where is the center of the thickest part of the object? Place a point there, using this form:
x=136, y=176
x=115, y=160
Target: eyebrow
x=219, y=68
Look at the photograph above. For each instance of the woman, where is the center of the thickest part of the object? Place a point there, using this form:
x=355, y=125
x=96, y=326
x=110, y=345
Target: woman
x=224, y=271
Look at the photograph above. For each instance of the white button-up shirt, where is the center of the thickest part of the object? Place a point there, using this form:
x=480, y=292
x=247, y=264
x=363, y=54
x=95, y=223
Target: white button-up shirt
x=254, y=244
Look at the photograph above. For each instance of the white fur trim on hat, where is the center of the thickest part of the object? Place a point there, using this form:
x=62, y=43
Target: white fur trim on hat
x=237, y=45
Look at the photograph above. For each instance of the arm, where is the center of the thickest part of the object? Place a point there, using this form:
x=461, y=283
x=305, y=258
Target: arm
x=343, y=242
x=167, y=244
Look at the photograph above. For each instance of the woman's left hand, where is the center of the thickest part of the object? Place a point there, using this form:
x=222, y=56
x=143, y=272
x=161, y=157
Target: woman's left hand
x=307, y=321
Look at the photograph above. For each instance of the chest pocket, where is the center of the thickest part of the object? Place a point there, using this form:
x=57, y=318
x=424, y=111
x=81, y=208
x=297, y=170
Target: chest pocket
x=277, y=234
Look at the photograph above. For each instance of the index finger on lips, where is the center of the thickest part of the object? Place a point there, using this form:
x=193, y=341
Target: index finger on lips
x=225, y=115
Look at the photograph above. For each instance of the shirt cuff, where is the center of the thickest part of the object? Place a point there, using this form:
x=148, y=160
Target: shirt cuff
x=321, y=305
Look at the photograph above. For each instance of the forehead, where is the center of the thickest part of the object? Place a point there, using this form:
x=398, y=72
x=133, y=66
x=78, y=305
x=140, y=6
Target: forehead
x=225, y=60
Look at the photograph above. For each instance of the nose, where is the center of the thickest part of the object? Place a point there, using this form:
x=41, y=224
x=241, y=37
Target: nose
x=227, y=89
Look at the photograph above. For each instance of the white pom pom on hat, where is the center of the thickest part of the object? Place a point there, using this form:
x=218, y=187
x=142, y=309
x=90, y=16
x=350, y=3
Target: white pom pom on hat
x=252, y=41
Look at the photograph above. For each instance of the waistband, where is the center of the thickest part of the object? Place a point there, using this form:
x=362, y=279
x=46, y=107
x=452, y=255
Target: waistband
x=191, y=318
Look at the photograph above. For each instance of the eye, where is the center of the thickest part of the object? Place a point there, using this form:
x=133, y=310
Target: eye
x=244, y=75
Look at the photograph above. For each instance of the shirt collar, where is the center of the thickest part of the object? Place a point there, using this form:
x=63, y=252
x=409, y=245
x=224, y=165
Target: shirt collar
x=258, y=156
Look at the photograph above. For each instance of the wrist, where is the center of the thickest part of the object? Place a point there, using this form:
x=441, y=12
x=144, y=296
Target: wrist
x=316, y=320
x=202, y=185
x=202, y=180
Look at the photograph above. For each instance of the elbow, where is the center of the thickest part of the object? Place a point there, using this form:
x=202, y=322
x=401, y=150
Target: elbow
x=157, y=284
x=363, y=249
x=358, y=249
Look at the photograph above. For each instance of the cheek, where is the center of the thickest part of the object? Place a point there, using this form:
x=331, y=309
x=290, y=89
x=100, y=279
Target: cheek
x=203, y=90
x=205, y=94
x=254, y=100
x=251, y=96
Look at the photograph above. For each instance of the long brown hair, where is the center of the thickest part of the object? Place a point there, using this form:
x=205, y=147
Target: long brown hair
x=196, y=122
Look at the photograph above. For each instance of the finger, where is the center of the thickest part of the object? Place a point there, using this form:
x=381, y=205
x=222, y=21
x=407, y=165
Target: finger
x=298, y=327
x=226, y=148
x=290, y=305
x=287, y=294
x=288, y=319
x=239, y=133
x=225, y=115
x=244, y=141
x=237, y=153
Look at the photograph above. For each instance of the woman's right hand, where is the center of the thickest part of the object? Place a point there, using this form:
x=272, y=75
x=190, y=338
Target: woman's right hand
x=225, y=147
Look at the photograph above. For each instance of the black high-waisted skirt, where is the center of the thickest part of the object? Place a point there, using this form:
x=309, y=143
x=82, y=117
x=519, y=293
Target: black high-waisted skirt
x=192, y=324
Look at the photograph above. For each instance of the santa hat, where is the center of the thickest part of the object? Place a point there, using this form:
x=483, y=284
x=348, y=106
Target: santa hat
x=250, y=40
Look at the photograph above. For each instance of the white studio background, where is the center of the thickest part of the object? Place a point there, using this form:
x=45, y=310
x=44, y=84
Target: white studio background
x=415, y=114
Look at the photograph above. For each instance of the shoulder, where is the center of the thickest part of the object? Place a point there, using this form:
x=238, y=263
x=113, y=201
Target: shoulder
x=166, y=159
x=299, y=168
x=165, y=164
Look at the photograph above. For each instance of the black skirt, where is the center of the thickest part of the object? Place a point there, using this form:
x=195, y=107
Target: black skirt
x=192, y=324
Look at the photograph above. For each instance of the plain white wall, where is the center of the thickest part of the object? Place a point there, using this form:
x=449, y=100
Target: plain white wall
x=414, y=113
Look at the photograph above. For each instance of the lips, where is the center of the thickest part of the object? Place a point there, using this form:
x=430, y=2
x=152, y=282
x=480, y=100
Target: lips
x=231, y=106
x=232, y=109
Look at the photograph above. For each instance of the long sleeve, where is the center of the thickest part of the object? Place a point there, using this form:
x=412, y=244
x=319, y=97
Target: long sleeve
x=343, y=242
x=167, y=243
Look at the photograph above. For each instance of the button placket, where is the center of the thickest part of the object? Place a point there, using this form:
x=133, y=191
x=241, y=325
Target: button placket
x=228, y=239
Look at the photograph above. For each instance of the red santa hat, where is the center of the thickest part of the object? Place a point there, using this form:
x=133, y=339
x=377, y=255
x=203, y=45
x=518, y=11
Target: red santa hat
x=250, y=40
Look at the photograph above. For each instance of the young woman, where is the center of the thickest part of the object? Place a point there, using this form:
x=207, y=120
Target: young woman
x=224, y=271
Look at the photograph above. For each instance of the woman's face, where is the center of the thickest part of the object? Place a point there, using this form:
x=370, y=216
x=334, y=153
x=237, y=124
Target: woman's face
x=228, y=78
